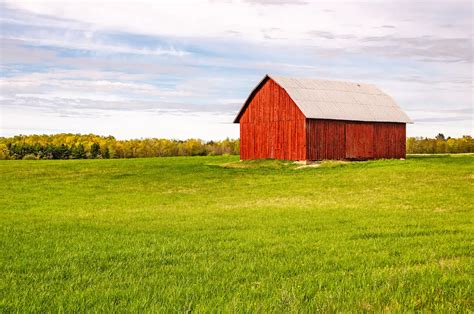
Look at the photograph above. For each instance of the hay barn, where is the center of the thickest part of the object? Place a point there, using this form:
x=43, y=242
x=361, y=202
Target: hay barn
x=307, y=119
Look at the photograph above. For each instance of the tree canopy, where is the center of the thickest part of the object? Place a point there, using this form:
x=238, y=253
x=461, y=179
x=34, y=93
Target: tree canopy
x=440, y=145
x=90, y=146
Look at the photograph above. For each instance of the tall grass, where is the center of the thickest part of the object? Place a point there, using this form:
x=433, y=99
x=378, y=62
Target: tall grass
x=200, y=234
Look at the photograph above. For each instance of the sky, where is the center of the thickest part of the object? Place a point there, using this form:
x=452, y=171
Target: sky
x=182, y=69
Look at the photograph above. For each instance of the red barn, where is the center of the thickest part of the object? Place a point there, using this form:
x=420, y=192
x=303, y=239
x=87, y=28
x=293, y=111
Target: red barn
x=307, y=119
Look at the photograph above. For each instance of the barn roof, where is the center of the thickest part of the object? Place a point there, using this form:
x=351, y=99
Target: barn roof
x=336, y=100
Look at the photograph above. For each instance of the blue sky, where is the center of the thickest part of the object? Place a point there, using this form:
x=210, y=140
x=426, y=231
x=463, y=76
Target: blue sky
x=182, y=69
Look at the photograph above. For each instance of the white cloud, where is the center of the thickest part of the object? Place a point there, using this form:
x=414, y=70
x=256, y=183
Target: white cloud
x=81, y=84
x=214, y=18
x=420, y=52
x=89, y=44
x=433, y=30
x=121, y=124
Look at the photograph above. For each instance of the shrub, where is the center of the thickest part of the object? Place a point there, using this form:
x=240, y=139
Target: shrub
x=29, y=157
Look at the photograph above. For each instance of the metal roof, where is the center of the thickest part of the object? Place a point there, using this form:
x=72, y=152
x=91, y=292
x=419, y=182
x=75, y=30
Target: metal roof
x=337, y=100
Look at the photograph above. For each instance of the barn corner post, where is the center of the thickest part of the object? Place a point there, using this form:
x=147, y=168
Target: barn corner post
x=306, y=119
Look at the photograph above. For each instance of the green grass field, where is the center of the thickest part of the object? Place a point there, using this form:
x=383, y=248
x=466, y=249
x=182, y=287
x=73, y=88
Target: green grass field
x=215, y=234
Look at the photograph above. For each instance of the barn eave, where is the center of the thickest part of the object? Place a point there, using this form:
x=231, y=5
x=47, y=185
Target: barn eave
x=249, y=98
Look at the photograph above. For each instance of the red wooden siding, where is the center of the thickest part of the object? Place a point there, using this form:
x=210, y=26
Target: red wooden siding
x=272, y=126
x=359, y=140
x=390, y=140
x=331, y=139
x=326, y=139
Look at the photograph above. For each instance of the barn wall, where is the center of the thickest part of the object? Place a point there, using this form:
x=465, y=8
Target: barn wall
x=272, y=126
x=390, y=140
x=359, y=140
x=332, y=139
x=326, y=139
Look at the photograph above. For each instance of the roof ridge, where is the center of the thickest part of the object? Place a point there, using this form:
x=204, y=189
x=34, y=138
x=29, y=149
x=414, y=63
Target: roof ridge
x=321, y=80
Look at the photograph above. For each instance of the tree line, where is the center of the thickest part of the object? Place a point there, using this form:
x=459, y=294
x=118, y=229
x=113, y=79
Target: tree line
x=90, y=146
x=440, y=145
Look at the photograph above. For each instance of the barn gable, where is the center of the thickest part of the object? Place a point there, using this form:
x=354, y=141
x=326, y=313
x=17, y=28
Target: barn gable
x=272, y=126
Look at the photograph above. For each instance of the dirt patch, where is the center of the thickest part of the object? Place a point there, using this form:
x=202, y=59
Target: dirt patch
x=322, y=164
x=303, y=166
x=258, y=163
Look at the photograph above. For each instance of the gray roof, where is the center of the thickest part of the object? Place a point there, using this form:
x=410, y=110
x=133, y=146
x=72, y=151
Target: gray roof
x=337, y=100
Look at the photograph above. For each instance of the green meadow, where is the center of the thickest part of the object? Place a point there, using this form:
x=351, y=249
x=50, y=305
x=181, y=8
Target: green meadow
x=212, y=234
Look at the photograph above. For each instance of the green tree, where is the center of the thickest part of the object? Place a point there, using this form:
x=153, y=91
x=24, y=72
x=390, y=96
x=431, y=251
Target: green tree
x=79, y=152
x=95, y=150
x=106, y=153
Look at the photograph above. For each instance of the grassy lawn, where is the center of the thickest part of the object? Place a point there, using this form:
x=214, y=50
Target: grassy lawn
x=214, y=234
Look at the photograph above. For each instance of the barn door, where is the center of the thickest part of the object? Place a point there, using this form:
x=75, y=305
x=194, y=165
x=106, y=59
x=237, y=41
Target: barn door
x=359, y=141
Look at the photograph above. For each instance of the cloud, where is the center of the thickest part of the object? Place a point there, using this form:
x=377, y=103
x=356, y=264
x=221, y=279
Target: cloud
x=211, y=18
x=84, y=107
x=406, y=30
x=81, y=92
x=330, y=35
x=426, y=48
x=445, y=119
x=277, y=2
x=78, y=36
x=71, y=61
x=76, y=43
x=82, y=83
x=445, y=116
